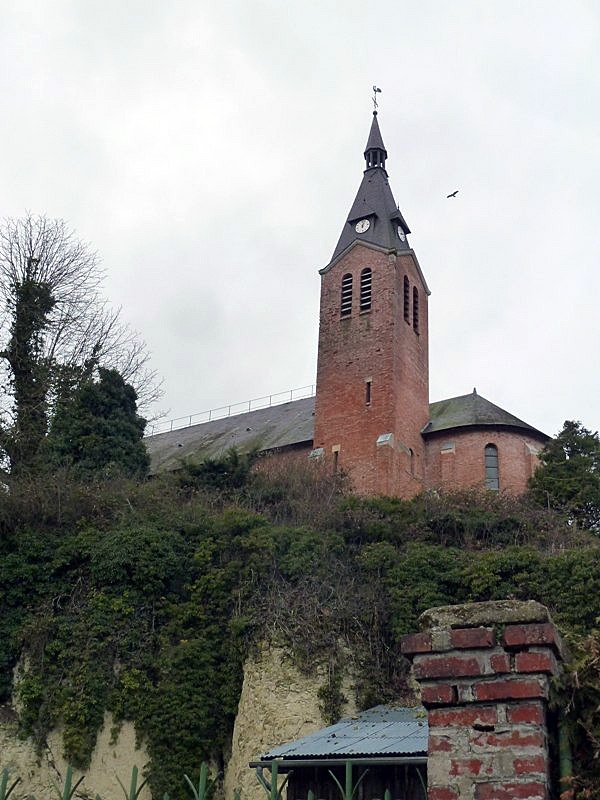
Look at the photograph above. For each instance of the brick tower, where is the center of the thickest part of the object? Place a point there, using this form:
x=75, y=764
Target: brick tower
x=372, y=372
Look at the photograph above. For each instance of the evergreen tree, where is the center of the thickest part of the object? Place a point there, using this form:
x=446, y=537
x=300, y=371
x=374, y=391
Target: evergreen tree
x=97, y=428
x=569, y=476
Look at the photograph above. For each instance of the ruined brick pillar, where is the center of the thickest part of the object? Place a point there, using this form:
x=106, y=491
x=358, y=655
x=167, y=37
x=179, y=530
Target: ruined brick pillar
x=484, y=671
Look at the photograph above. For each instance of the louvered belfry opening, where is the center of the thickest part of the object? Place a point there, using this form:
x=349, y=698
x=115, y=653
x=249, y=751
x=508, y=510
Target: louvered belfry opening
x=366, y=286
x=346, y=305
x=415, y=309
x=406, y=299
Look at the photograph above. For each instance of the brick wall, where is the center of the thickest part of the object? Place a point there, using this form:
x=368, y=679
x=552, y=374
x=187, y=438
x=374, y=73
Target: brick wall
x=272, y=461
x=381, y=347
x=455, y=459
x=484, y=671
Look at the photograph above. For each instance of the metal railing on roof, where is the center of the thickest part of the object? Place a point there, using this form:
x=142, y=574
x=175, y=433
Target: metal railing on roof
x=165, y=426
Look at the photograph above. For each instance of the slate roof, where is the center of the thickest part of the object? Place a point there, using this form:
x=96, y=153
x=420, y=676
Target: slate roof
x=293, y=424
x=266, y=428
x=472, y=410
x=374, y=201
x=375, y=140
x=383, y=731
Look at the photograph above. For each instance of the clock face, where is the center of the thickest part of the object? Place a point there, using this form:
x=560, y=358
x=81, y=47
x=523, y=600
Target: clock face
x=401, y=234
x=362, y=226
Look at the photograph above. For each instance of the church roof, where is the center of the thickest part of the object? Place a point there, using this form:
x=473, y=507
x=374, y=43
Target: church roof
x=292, y=424
x=265, y=429
x=375, y=203
x=472, y=411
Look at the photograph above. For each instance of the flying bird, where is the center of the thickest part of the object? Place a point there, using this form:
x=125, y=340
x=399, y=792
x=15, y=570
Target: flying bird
x=454, y=193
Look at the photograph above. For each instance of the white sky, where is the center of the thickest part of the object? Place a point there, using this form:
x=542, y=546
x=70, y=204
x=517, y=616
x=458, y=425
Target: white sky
x=210, y=152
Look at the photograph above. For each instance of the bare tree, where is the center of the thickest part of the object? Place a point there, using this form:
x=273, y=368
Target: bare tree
x=54, y=322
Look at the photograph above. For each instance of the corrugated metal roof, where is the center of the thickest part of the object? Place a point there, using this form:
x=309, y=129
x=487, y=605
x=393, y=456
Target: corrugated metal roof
x=380, y=731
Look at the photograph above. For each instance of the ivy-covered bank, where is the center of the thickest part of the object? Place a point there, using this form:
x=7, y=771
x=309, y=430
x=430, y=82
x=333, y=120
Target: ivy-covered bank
x=145, y=598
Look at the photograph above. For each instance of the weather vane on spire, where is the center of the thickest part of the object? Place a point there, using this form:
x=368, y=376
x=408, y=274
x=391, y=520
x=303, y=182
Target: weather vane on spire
x=374, y=98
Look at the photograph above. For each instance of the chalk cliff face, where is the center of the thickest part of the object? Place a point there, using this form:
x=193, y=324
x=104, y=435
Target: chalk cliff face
x=38, y=775
x=278, y=703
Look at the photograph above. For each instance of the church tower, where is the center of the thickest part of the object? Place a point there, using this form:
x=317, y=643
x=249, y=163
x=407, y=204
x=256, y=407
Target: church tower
x=372, y=397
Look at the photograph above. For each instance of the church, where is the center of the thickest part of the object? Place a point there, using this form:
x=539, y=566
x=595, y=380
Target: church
x=371, y=416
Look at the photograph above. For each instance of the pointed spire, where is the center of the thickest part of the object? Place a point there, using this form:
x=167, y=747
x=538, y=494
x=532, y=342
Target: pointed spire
x=375, y=152
x=374, y=218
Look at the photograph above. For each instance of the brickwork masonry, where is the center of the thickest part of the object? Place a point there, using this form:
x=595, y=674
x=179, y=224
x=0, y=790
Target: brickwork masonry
x=381, y=348
x=455, y=459
x=484, y=671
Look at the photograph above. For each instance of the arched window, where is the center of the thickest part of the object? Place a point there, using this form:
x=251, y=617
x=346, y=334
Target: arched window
x=366, y=280
x=346, y=305
x=492, y=480
x=415, y=309
x=406, y=299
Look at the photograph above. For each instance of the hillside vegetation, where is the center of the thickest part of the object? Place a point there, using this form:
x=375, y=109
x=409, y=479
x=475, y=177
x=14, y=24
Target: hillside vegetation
x=144, y=598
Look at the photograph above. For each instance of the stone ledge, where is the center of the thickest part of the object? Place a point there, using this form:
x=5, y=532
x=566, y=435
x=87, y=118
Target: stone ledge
x=492, y=612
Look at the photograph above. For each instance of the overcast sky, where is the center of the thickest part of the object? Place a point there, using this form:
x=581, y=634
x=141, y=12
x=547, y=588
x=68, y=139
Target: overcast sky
x=210, y=152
